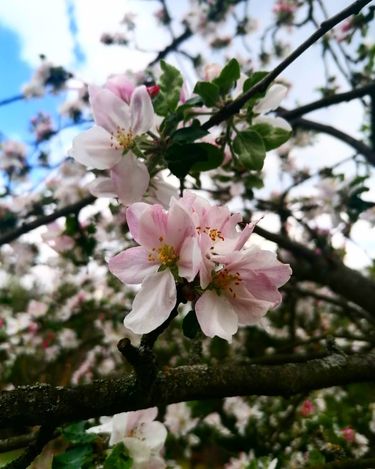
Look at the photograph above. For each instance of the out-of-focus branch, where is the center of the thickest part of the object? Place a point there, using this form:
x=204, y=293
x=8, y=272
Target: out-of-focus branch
x=41, y=404
x=44, y=220
x=172, y=46
x=331, y=272
x=235, y=106
x=328, y=101
x=359, y=146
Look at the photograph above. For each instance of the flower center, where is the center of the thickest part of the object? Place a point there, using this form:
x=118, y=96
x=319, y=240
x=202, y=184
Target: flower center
x=223, y=280
x=213, y=233
x=122, y=139
x=165, y=254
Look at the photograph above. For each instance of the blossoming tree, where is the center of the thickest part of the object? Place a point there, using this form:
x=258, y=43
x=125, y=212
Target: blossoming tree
x=165, y=303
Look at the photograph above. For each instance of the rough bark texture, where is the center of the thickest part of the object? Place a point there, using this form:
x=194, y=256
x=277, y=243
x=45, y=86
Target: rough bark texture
x=45, y=404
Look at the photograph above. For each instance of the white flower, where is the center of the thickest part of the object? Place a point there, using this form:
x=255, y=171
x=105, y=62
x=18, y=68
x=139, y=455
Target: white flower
x=143, y=437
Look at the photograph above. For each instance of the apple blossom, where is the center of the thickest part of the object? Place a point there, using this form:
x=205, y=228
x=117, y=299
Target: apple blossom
x=168, y=248
x=108, y=145
x=142, y=436
x=241, y=291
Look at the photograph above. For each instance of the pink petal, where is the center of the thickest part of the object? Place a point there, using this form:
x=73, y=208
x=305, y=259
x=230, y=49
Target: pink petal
x=92, y=148
x=153, y=303
x=133, y=216
x=190, y=259
x=216, y=316
x=249, y=309
x=141, y=111
x=132, y=265
x=130, y=178
x=110, y=112
x=152, y=226
x=179, y=226
x=102, y=187
x=260, y=286
x=120, y=86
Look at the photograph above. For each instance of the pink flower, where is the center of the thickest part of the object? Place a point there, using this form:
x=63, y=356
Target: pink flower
x=241, y=291
x=121, y=86
x=56, y=240
x=217, y=231
x=348, y=434
x=307, y=408
x=108, y=145
x=104, y=145
x=168, y=249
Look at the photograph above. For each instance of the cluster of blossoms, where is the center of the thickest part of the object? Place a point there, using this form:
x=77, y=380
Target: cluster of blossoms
x=197, y=246
x=122, y=112
x=47, y=74
x=12, y=155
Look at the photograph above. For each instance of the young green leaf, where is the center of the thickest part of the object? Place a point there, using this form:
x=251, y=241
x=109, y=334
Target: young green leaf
x=250, y=149
x=228, y=76
x=118, y=458
x=272, y=136
x=209, y=92
x=170, y=87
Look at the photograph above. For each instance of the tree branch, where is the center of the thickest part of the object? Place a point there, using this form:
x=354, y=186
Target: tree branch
x=328, y=101
x=44, y=220
x=331, y=272
x=235, y=106
x=46, y=404
x=359, y=146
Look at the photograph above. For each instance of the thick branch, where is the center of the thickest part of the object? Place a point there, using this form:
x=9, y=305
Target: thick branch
x=237, y=104
x=41, y=404
x=327, y=271
x=62, y=212
x=328, y=101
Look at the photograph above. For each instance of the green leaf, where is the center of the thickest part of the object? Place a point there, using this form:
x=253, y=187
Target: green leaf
x=250, y=149
x=253, y=79
x=73, y=458
x=76, y=434
x=228, y=76
x=71, y=225
x=6, y=458
x=209, y=92
x=189, y=134
x=118, y=458
x=170, y=84
x=190, y=325
x=316, y=457
x=183, y=158
x=272, y=136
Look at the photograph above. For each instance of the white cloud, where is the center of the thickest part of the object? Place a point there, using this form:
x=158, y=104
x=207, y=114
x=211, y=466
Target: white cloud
x=42, y=27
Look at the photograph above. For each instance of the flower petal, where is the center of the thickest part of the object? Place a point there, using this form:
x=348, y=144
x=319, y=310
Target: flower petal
x=275, y=94
x=92, y=148
x=152, y=226
x=132, y=265
x=141, y=111
x=248, y=309
x=216, y=316
x=273, y=122
x=190, y=259
x=153, y=303
x=153, y=434
x=110, y=112
x=102, y=187
x=130, y=178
